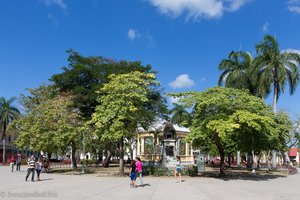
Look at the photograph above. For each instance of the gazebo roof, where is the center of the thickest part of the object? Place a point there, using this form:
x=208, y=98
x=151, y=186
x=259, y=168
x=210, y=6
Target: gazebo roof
x=159, y=125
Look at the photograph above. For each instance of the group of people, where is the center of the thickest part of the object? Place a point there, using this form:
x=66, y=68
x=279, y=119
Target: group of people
x=136, y=170
x=18, y=162
x=32, y=166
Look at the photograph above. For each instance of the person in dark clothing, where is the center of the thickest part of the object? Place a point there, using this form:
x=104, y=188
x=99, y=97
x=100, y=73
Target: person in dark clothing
x=132, y=174
x=19, y=162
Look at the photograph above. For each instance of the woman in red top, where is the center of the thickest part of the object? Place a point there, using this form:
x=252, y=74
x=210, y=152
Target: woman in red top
x=12, y=163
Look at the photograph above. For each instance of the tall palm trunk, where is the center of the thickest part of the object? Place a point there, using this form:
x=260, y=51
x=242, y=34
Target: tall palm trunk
x=4, y=144
x=275, y=97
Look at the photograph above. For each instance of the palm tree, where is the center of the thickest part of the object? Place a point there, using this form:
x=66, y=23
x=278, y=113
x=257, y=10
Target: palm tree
x=276, y=68
x=238, y=73
x=7, y=114
x=180, y=114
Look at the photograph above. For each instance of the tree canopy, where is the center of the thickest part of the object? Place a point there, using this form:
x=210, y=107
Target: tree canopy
x=123, y=106
x=223, y=116
x=86, y=75
x=51, y=124
x=276, y=68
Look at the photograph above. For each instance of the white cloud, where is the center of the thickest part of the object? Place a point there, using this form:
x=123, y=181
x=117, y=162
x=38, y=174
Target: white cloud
x=146, y=37
x=265, y=27
x=182, y=81
x=197, y=8
x=294, y=6
x=234, y=5
x=59, y=3
x=132, y=34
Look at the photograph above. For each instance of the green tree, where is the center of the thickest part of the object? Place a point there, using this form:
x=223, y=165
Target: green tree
x=276, y=69
x=179, y=114
x=286, y=133
x=223, y=116
x=8, y=113
x=123, y=106
x=86, y=75
x=237, y=72
x=51, y=124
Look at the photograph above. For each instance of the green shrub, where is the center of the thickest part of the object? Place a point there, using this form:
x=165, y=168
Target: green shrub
x=156, y=171
x=190, y=171
x=87, y=162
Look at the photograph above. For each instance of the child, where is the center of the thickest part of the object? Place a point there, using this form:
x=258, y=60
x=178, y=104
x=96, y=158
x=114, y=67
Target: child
x=132, y=174
x=177, y=171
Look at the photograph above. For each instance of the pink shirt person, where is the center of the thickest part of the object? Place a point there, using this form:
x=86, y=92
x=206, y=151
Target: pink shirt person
x=139, y=166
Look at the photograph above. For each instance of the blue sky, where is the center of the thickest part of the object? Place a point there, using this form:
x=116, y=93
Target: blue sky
x=184, y=40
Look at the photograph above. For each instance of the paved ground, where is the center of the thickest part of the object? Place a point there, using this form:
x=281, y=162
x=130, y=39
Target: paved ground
x=90, y=187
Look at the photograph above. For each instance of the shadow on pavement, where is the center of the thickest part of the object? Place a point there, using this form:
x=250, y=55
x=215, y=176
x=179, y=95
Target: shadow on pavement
x=46, y=179
x=243, y=176
x=147, y=184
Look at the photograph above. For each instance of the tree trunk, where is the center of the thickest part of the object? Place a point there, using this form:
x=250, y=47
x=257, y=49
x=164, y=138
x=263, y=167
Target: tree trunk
x=258, y=161
x=49, y=156
x=121, y=165
x=221, y=151
x=74, y=162
x=229, y=161
x=3, y=150
x=3, y=144
x=268, y=161
x=275, y=95
x=99, y=155
x=283, y=157
x=274, y=164
x=105, y=162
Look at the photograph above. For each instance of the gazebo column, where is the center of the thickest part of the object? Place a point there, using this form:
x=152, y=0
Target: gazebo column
x=138, y=146
x=187, y=149
x=142, y=146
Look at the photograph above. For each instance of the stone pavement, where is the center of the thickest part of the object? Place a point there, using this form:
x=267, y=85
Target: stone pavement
x=91, y=187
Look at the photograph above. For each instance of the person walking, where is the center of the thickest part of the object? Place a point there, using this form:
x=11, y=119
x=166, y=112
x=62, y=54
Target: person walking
x=132, y=174
x=177, y=171
x=38, y=167
x=19, y=162
x=139, y=169
x=31, y=166
x=11, y=162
